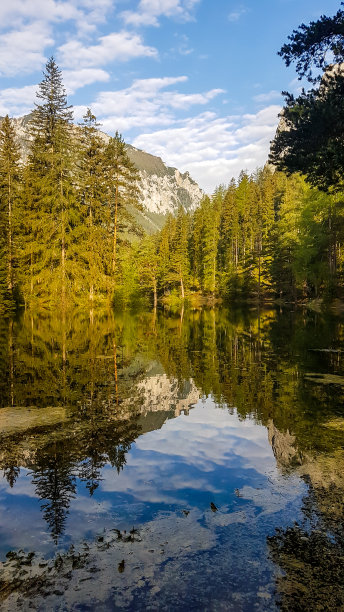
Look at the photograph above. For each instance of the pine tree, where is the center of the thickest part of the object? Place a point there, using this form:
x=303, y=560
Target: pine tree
x=148, y=266
x=92, y=236
x=10, y=175
x=123, y=190
x=50, y=187
x=264, y=215
x=196, y=248
x=211, y=236
x=284, y=236
x=180, y=251
x=165, y=242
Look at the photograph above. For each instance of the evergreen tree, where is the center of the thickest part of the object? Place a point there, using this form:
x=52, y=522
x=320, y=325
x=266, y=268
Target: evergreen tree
x=180, y=258
x=284, y=237
x=196, y=247
x=10, y=177
x=165, y=253
x=211, y=222
x=123, y=190
x=148, y=266
x=49, y=173
x=92, y=236
x=265, y=217
x=229, y=230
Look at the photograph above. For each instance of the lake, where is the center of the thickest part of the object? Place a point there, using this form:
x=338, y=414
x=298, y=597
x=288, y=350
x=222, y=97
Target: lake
x=172, y=461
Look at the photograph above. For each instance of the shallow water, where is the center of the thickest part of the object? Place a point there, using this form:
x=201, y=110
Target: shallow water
x=168, y=462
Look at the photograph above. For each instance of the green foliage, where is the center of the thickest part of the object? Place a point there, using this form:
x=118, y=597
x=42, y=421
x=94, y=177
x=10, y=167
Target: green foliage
x=10, y=179
x=64, y=212
x=148, y=266
x=310, y=135
x=50, y=193
x=312, y=45
x=92, y=248
x=267, y=236
x=123, y=190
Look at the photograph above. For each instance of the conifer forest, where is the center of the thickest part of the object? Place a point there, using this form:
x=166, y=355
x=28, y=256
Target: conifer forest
x=68, y=234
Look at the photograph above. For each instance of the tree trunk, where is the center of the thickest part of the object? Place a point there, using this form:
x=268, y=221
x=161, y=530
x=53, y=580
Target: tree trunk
x=182, y=287
x=11, y=360
x=63, y=246
x=115, y=231
x=31, y=274
x=155, y=295
x=259, y=266
x=63, y=268
x=92, y=256
x=10, y=238
x=214, y=270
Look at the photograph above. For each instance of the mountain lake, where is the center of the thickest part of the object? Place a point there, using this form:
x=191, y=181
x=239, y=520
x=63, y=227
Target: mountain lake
x=189, y=460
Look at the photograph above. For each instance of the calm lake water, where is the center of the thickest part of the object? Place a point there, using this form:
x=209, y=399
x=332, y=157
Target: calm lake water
x=188, y=461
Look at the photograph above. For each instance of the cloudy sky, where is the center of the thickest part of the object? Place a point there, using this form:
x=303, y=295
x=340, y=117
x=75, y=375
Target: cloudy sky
x=196, y=82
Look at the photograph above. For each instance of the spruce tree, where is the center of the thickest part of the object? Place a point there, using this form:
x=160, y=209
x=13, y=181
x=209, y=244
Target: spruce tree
x=123, y=190
x=229, y=237
x=9, y=200
x=165, y=241
x=148, y=266
x=50, y=185
x=196, y=246
x=180, y=253
x=212, y=213
x=92, y=236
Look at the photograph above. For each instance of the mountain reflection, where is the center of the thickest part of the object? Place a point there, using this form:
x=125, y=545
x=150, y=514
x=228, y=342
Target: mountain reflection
x=144, y=419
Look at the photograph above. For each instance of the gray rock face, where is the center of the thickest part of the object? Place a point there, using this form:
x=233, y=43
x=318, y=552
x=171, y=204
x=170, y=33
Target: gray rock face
x=163, y=188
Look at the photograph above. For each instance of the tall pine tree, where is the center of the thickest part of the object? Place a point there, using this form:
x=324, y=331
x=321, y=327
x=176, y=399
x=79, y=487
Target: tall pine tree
x=9, y=199
x=92, y=236
x=123, y=190
x=50, y=189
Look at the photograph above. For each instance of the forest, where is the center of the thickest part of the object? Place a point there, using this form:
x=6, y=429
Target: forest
x=67, y=236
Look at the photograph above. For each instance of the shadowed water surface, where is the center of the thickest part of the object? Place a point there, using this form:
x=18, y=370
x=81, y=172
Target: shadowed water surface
x=172, y=462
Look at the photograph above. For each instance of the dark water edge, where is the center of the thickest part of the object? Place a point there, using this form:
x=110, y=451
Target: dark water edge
x=172, y=461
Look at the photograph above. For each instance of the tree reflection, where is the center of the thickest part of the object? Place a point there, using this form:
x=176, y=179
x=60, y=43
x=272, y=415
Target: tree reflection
x=79, y=386
x=55, y=485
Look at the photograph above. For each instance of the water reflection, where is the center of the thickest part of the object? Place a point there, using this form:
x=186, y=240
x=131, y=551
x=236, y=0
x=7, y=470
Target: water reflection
x=172, y=448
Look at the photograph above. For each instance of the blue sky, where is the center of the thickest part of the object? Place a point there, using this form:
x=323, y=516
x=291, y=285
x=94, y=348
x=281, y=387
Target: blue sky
x=196, y=82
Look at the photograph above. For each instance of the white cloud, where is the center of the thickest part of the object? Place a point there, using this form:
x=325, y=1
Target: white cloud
x=212, y=148
x=17, y=101
x=22, y=50
x=145, y=104
x=75, y=79
x=149, y=11
x=117, y=46
x=28, y=29
x=17, y=12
